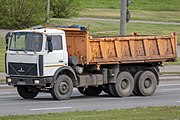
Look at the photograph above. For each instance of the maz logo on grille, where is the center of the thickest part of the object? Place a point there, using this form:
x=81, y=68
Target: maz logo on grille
x=21, y=70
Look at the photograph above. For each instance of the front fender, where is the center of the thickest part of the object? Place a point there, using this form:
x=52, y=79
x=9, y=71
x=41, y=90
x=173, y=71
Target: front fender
x=67, y=70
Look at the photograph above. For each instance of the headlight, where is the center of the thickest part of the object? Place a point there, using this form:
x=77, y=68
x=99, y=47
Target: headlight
x=9, y=80
x=36, y=82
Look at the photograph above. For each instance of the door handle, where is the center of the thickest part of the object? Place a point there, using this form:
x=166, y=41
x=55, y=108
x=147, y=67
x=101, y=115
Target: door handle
x=60, y=61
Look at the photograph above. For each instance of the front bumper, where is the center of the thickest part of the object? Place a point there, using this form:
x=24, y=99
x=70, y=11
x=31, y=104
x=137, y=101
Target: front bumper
x=32, y=81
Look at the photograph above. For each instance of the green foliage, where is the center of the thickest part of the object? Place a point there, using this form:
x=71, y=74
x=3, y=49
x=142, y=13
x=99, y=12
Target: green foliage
x=2, y=54
x=65, y=8
x=15, y=14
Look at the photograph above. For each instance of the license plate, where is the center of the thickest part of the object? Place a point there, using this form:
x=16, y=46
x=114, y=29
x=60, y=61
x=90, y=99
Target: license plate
x=21, y=83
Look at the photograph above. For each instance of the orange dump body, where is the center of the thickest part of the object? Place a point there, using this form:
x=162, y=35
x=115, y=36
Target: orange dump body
x=121, y=49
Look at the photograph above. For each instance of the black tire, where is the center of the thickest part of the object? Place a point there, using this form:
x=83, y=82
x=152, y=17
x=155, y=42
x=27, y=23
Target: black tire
x=27, y=92
x=124, y=85
x=53, y=94
x=82, y=91
x=63, y=88
x=93, y=91
x=136, y=87
x=147, y=83
x=112, y=89
x=106, y=89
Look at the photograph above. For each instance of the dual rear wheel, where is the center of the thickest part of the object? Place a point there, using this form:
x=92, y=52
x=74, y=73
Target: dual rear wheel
x=143, y=83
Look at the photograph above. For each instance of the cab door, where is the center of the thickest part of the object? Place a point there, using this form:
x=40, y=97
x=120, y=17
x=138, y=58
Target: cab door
x=57, y=57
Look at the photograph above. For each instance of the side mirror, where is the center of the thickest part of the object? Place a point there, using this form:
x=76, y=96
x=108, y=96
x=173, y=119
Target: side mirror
x=7, y=39
x=50, y=46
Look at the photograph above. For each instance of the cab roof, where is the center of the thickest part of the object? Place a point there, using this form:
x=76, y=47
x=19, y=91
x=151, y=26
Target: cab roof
x=43, y=31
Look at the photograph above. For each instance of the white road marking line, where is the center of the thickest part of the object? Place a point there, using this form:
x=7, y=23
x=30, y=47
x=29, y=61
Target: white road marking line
x=8, y=96
x=113, y=98
x=169, y=85
x=171, y=89
x=55, y=108
x=5, y=93
x=178, y=101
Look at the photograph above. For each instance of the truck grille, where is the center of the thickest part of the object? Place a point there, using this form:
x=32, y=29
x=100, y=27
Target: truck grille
x=22, y=69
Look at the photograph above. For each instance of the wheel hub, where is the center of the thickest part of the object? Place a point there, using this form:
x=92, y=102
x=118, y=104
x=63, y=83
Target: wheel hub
x=124, y=84
x=147, y=83
x=63, y=88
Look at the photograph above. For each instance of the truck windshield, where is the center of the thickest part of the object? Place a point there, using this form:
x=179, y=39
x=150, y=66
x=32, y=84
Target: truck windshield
x=26, y=41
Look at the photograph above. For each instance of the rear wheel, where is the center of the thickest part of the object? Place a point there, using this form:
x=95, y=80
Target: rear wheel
x=63, y=88
x=136, y=88
x=27, y=92
x=146, y=83
x=124, y=85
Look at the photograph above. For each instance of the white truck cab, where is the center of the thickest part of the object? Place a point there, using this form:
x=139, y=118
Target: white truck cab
x=28, y=53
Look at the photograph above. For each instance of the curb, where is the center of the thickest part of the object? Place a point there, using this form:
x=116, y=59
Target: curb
x=5, y=86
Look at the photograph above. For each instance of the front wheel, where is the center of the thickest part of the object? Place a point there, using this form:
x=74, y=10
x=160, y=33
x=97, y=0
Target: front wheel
x=27, y=92
x=63, y=88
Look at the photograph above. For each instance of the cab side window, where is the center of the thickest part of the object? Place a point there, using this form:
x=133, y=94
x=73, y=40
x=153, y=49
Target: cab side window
x=56, y=42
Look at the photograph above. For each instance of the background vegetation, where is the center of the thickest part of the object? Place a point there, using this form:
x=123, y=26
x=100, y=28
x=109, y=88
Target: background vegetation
x=65, y=8
x=2, y=54
x=15, y=14
x=146, y=10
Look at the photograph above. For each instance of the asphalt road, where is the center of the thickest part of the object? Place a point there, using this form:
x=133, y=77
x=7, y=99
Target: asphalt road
x=167, y=94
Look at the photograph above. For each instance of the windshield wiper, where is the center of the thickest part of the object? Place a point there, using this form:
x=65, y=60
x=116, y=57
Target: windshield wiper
x=31, y=50
x=17, y=50
x=14, y=50
x=23, y=50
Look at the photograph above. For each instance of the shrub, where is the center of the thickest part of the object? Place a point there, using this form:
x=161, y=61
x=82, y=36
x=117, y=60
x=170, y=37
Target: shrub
x=15, y=14
x=65, y=8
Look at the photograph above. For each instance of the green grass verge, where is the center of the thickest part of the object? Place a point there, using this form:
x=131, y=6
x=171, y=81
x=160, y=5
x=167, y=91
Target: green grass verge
x=149, y=113
x=2, y=54
x=151, y=5
x=175, y=73
x=162, y=16
x=173, y=63
x=2, y=80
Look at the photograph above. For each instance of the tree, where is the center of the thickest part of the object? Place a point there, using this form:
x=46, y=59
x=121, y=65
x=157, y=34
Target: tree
x=15, y=14
x=65, y=8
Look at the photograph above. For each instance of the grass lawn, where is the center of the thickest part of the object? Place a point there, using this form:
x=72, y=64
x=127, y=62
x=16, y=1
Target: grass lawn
x=150, y=113
x=151, y=5
x=162, y=16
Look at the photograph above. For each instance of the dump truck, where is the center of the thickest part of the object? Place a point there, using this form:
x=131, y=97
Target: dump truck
x=57, y=59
